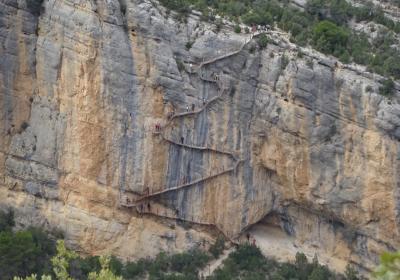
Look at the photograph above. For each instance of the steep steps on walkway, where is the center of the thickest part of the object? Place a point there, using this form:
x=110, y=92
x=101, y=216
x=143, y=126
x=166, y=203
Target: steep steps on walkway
x=138, y=203
x=200, y=148
x=200, y=180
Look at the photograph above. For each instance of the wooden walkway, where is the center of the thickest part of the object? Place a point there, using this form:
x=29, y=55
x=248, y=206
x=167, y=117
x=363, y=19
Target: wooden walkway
x=200, y=148
x=185, y=185
x=222, y=88
x=226, y=55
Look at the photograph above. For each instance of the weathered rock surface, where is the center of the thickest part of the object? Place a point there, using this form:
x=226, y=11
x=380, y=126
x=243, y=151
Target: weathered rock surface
x=84, y=82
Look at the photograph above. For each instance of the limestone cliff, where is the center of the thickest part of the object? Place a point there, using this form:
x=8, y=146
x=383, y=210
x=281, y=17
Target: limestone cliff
x=295, y=139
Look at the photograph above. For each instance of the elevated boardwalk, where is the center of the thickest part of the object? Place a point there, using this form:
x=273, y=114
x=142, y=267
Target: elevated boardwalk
x=223, y=87
x=200, y=148
x=185, y=185
x=195, y=68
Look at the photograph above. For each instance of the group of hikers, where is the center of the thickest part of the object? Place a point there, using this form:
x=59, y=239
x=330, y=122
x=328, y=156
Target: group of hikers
x=142, y=207
x=146, y=206
x=214, y=76
x=250, y=239
x=193, y=106
x=158, y=126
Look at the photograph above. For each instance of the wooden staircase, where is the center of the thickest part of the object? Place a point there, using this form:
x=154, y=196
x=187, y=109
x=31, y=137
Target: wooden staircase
x=222, y=87
x=185, y=185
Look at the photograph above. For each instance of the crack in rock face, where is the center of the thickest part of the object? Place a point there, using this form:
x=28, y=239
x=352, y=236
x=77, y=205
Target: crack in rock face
x=134, y=133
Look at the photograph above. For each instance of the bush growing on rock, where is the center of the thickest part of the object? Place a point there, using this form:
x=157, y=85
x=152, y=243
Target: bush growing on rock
x=263, y=41
x=237, y=29
x=329, y=38
x=189, y=45
x=387, y=88
x=218, y=247
x=284, y=62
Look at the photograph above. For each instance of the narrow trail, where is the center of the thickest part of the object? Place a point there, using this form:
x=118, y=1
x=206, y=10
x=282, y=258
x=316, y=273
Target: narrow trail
x=215, y=263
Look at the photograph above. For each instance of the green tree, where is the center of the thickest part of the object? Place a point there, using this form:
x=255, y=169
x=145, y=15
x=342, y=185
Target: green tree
x=263, y=41
x=218, y=247
x=33, y=277
x=237, y=29
x=105, y=272
x=319, y=273
x=62, y=260
x=25, y=253
x=351, y=274
x=387, y=88
x=330, y=38
x=81, y=267
x=19, y=255
x=6, y=220
x=135, y=269
x=389, y=267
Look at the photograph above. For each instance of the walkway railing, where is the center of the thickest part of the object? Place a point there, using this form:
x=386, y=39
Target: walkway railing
x=222, y=87
x=191, y=183
x=194, y=69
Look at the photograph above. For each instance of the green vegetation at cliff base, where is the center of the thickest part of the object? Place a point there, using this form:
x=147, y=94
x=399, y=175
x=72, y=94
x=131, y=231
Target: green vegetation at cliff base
x=32, y=254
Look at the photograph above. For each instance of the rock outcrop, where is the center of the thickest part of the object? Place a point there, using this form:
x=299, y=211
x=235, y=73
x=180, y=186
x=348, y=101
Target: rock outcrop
x=306, y=142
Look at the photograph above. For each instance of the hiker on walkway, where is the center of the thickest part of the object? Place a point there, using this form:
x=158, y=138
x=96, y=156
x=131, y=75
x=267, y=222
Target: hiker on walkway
x=182, y=139
x=187, y=108
x=193, y=106
x=204, y=101
x=215, y=76
x=190, y=67
x=248, y=237
x=149, y=206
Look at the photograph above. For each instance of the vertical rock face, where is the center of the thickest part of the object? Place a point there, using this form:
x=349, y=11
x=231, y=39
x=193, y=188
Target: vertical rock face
x=83, y=84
